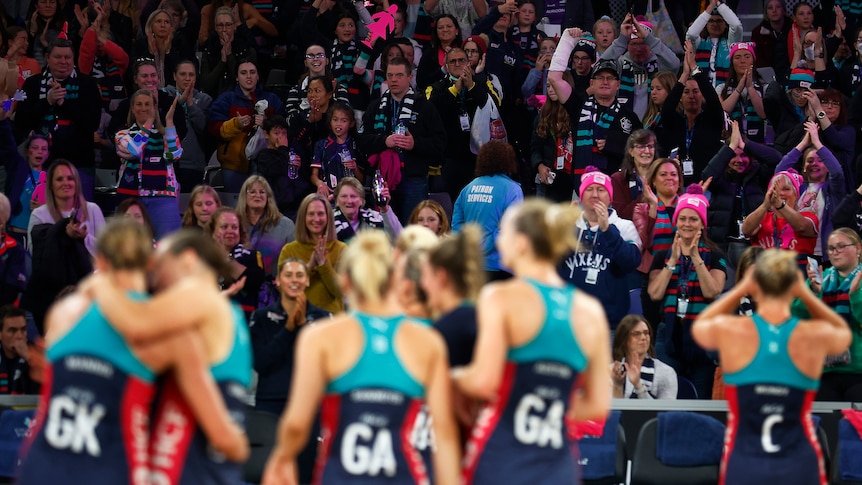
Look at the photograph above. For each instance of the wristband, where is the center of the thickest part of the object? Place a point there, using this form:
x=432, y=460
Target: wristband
x=668, y=267
x=783, y=204
x=640, y=391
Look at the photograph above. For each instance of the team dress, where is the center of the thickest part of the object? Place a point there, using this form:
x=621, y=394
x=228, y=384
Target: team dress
x=770, y=435
x=179, y=451
x=520, y=437
x=370, y=415
x=92, y=425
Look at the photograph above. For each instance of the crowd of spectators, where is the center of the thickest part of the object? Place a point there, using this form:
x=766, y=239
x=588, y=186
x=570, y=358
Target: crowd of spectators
x=684, y=144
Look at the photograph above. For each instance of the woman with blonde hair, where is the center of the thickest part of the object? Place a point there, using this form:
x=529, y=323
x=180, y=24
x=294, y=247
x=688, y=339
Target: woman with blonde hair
x=534, y=329
x=268, y=229
x=429, y=213
x=772, y=363
x=144, y=141
x=203, y=201
x=317, y=244
x=369, y=390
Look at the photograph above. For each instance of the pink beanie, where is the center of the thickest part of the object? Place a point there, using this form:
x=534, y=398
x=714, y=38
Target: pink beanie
x=646, y=25
x=791, y=174
x=591, y=176
x=692, y=199
x=746, y=46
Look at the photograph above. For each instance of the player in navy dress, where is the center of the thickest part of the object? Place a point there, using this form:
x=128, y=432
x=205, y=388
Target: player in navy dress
x=93, y=419
x=372, y=368
x=539, y=339
x=187, y=267
x=772, y=364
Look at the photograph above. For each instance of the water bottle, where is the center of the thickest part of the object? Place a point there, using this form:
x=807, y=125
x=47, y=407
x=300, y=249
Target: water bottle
x=400, y=129
x=498, y=131
x=293, y=167
x=346, y=157
x=377, y=190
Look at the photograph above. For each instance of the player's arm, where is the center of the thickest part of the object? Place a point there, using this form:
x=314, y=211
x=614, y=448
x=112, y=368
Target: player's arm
x=181, y=306
x=482, y=377
x=183, y=351
x=593, y=401
x=447, y=456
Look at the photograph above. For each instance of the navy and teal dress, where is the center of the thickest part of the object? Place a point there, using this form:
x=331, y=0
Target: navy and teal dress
x=520, y=437
x=369, y=416
x=770, y=435
x=92, y=425
x=179, y=451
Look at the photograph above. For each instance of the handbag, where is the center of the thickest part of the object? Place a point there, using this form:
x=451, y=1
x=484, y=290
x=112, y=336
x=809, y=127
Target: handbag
x=487, y=125
x=255, y=144
x=662, y=26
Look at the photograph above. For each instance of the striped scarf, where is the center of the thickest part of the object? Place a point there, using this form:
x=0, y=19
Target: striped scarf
x=663, y=231
x=626, y=95
x=527, y=44
x=681, y=335
x=753, y=123
x=836, y=294
x=153, y=174
x=383, y=119
x=716, y=63
x=343, y=58
x=850, y=7
x=855, y=75
x=592, y=126
x=647, y=377
x=52, y=120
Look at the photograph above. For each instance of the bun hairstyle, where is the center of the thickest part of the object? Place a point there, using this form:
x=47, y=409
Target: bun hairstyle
x=415, y=237
x=775, y=271
x=460, y=256
x=550, y=228
x=368, y=263
x=125, y=244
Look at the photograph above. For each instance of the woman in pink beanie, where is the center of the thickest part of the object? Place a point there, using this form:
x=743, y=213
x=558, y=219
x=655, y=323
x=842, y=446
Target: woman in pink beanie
x=779, y=223
x=686, y=278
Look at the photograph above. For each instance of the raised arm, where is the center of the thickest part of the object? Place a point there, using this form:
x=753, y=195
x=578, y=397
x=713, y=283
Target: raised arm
x=560, y=62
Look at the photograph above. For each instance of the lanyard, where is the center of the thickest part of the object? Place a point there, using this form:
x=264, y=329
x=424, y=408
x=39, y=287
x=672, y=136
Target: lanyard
x=776, y=237
x=396, y=112
x=685, y=280
x=689, y=136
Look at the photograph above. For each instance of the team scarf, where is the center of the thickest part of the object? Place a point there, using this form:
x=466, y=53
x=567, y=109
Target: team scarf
x=527, y=44
x=662, y=238
x=855, y=75
x=753, y=123
x=837, y=295
x=647, y=377
x=715, y=59
x=343, y=58
x=592, y=127
x=384, y=122
x=368, y=219
x=52, y=120
x=684, y=281
x=854, y=7
x=626, y=94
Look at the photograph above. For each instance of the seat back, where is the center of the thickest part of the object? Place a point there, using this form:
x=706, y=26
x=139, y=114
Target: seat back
x=848, y=445
x=648, y=470
x=261, y=428
x=685, y=388
x=620, y=461
x=14, y=426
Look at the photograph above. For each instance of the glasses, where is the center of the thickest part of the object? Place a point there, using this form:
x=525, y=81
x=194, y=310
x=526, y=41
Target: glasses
x=831, y=104
x=838, y=248
x=460, y=60
x=312, y=57
x=471, y=52
x=640, y=333
x=645, y=147
x=582, y=59
x=223, y=26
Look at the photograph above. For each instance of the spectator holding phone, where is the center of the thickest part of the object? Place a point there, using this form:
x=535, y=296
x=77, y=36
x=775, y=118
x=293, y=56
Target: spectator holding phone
x=635, y=371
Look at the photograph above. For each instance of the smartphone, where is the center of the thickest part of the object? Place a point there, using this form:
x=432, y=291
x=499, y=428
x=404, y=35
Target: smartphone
x=73, y=217
x=815, y=268
x=623, y=365
x=674, y=154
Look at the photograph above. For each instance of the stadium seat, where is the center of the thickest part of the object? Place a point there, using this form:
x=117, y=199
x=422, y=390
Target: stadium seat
x=648, y=470
x=228, y=199
x=261, y=428
x=14, y=426
x=586, y=447
x=684, y=388
x=847, y=437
